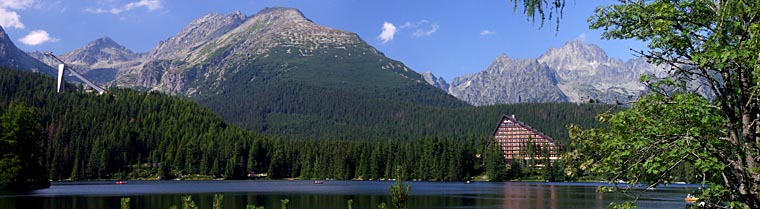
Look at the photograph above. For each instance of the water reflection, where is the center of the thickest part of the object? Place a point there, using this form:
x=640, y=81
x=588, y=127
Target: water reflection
x=331, y=194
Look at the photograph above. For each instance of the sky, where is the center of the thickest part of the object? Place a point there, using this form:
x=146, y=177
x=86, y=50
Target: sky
x=449, y=38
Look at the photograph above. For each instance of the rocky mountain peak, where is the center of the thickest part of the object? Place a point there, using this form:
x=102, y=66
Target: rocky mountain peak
x=502, y=58
x=270, y=28
x=498, y=62
x=508, y=81
x=216, y=18
x=103, y=49
x=104, y=42
x=576, y=61
x=284, y=12
x=195, y=34
x=574, y=72
x=438, y=82
x=216, y=46
x=575, y=52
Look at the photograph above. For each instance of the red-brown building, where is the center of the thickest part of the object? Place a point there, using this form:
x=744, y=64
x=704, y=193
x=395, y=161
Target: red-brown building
x=522, y=142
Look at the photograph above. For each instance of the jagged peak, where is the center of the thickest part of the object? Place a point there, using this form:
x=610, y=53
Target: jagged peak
x=105, y=39
x=503, y=57
x=578, y=44
x=577, y=49
x=216, y=16
x=105, y=42
x=437, y=82
x=236, y=14
x=209, y=20
x=195, y=33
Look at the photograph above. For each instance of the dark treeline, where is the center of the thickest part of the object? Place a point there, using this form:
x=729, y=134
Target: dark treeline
x=310, y=112
x=132, y=134
x=426, y=159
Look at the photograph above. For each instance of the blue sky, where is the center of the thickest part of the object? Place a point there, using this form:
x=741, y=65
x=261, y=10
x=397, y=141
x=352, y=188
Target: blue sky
x=448, y=38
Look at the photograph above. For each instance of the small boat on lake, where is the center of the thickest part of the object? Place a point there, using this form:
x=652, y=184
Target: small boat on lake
x=121, y=182
x=319, y=182
x=691, y=198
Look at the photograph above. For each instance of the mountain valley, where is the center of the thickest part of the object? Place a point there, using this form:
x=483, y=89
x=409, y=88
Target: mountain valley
x=278, y=72
x=260, y=85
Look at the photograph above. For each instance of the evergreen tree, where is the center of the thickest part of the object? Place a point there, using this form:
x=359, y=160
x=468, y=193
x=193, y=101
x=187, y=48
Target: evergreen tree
x=495, y=164
x=20, y=156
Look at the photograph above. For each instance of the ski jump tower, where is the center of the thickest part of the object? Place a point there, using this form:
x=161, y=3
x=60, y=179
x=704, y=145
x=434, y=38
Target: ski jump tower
x=62, y=67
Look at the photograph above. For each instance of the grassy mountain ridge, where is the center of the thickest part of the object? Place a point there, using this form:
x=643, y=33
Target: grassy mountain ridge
x=318, y=92
x=277, y=67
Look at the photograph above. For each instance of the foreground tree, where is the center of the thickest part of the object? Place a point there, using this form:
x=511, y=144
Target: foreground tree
x=715, y=43
x=20, y=135
x=648, y=142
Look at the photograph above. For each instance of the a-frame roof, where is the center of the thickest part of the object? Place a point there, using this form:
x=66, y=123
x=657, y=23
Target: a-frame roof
x=523, y=125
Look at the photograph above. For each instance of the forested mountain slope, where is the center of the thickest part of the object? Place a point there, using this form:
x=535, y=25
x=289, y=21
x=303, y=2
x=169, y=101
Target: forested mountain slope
x=278, y=72
x=97, y=136
x=132, y=134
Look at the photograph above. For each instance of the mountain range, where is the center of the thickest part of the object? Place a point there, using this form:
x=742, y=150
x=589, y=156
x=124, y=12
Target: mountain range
x=575, y=72
x=276, y=71
x=200, y=59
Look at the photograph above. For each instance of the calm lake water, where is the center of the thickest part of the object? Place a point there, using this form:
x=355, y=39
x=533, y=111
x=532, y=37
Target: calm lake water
x=334, y=194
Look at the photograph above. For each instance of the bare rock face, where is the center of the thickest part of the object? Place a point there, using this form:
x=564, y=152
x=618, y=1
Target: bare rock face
x=585, y=72
x=12, y=57
x=438, y=82
x=575, y=72
x=196, y=34
x=509, y=81
x=103, y=52
x=100, y=60
x=160, y=68
x=216, y=45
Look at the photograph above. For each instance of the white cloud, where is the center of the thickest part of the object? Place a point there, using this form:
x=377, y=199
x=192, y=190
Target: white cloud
x=414, y=25
x=37, y=37
x=407, y=24
x=151, y=5
x=389, y=30
x=16, y=4
x=422, y=32
x=10, y=19
x=424, y=28
x=487, y=33
x=581, y=37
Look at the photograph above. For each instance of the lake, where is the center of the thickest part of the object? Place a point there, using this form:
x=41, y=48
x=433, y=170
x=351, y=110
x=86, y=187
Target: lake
x=334, y=194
